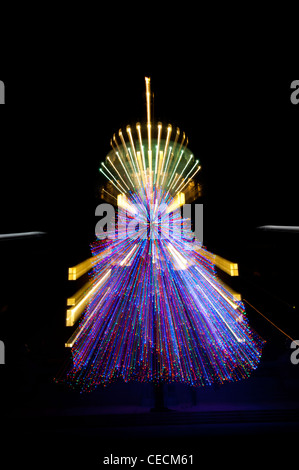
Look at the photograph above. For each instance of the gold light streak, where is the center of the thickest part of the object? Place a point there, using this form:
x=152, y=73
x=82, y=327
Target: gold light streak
x=125, y=148
x=205, y=253
x=181, y=145
x=183, y=140
x=111, y=143
x=117, y=182
x=125, y=169
x=235, y=295
x=176, y=178
x=174, y=146
x=77, y=271
x=75, y=298
x=148, y=97
x=122, y=202
x=177, y=202
x=167, y=161
x=120, y=156
x=234, y=305
x=134, y=166
x=139, y=159
x=118, y=148
x=181, y=174
x=148, y=109
x=138, y=169
x=115, y=169
x=177, y=164
x=150, y=162
x=71, y=301
x=158, y=146
x=140, y=164
x=185, y=179
x=169, y=129
x=266, y=318
x=109, y=194
x=176, y=138
x=185, y=146
x=159, y=165
x=73, y=314
x=187, y=182
x=138, y=127
x=182, y=153
x=129, y=132
x=225, y=265
x=119, y=190
x=80, y=329
x=72, y=339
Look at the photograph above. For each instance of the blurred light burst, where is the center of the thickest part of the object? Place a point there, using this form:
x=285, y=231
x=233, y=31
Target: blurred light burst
x=154, y=309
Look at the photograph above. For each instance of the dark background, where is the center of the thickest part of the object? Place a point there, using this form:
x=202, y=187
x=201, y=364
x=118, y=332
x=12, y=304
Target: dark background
x=55, y=130
x=239, y=121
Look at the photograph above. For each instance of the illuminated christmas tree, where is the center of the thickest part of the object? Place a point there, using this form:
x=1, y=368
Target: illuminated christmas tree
x=154, y=309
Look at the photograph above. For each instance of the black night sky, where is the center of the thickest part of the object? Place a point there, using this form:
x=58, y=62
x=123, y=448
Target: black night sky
x=239, y=121
x=55, y=130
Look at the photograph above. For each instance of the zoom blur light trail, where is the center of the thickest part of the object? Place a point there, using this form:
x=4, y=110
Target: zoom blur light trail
x=154, y=308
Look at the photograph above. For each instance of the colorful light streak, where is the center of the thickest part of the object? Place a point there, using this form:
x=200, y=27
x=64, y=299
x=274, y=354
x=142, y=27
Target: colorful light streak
x=154, y=308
